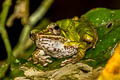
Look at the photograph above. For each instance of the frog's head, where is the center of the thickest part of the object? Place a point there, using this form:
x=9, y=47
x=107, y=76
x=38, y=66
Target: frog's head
x=53, y=29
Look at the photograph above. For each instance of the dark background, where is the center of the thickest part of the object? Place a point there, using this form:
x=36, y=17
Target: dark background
x=60, y=9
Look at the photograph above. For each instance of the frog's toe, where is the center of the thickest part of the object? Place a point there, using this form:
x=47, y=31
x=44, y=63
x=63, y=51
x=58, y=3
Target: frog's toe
x=72, y=60
x=44, y=60
x=46, y=57
x=35, y=62
x=47, y=62
x=65, y=62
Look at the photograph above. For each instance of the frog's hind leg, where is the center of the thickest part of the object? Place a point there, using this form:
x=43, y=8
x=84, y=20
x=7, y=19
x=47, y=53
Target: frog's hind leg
x=77, y=57
x=39, y=56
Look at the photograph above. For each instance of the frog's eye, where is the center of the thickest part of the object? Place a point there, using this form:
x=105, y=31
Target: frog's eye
x=56, y=27
x=56, y=30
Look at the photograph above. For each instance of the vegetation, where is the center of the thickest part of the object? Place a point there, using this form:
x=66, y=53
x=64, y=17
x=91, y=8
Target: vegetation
x=107, y=26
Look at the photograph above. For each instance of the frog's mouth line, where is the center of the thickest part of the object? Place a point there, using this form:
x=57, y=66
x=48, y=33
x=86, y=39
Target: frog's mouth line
x=52, y=37
x=46, y=34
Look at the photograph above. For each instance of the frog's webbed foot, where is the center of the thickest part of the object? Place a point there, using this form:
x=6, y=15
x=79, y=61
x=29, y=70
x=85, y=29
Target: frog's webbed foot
x=39, y=56
x=70, y=60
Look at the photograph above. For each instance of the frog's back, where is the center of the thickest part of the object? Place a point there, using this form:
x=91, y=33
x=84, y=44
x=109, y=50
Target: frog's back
x=68, y=28
x=76, y=30
x=85, y=27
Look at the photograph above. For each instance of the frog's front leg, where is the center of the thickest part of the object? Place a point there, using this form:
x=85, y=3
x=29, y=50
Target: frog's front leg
x=80, y=54
x=39, y=56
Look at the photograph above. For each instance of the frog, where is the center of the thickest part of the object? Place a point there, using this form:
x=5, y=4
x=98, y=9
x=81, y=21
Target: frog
x=67, y=38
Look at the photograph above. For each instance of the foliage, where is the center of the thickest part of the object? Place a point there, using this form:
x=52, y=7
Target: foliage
x=107, y=26
x=24, y=40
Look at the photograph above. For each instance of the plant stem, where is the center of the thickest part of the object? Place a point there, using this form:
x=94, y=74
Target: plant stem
x=34, y=18
x=3, y=16
x=40, y=12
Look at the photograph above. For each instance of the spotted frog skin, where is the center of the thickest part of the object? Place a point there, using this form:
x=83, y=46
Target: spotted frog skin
x=65, y=38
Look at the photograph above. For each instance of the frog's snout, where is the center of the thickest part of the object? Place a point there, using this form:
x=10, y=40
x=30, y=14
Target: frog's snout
x=32, y=35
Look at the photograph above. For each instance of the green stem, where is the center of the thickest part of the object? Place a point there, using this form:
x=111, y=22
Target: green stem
x=3, y=16
x=40, y=12
x=34, y=18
